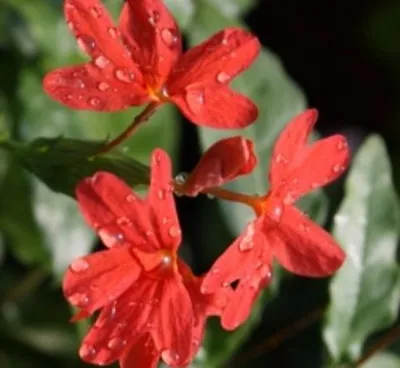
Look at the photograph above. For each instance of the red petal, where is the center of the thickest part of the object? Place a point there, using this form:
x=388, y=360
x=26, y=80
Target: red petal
x=303, y=247
x=121, y=324
x=112, y=81
x=298, y=168
x=163, y=213
x=314, y=167
x=248, y=260
x=154, y=38
x=92, y=281
x=117, y=213
x=174, y=324
x=215, y=62
x=222, y=162
x=143, y=354
x=216, y=106
x=89, y=87
x=244, y=297
x=291, y=140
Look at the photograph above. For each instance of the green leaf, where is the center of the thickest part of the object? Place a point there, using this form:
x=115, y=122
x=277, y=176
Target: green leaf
x=383, y=360
x=365, y=292
x=278, y=99
x=233, y=8
x=61, y=163
x=182, y=10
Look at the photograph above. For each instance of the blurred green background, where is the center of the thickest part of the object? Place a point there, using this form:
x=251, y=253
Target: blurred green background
x=340, y=57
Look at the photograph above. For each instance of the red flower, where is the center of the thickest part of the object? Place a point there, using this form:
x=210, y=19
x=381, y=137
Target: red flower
x=150, y=302
x=141, y=61
x=225, y=160
x=281, y=231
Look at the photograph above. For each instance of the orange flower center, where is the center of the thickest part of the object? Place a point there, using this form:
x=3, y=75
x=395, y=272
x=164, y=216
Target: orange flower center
x=159, y=264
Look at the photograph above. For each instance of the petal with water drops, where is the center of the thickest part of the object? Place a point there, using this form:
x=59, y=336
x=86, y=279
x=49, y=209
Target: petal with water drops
x=92, y=281
x=303, y=247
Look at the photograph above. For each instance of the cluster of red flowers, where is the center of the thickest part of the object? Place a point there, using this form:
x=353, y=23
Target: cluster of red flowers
x=151, y=305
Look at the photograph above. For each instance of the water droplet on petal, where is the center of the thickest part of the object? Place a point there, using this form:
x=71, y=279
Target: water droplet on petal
x=210, y=196
x=86, y=43
x=275, y=211
x=113, y=32
x=113, y=310
x=96, y=12
x=170, y=357
x=87, y=351
x=289, y=198
x=315, y=185
x=161, y=194
x=124, y=221
x=169, y=37
x=247, y=241
x=223, y=77
x=154, y=17
x=79, y=299
x=101, y=62
x=164, y=220
x=279, y=158
x=174, y=231
x=342, y=144
x=125, y=75
x=224, y=41
x=164, y=92
x=79, y=265
x=304, y=227
x=94, y=101
x=130, y=198
x=71, y=26
x=80, y=84
x=338, y=168
x=195, y=100
x=181, y=178
x=103, y=86
x=115, y=343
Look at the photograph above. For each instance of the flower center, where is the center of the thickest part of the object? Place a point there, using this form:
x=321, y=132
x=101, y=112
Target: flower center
x=159, y=264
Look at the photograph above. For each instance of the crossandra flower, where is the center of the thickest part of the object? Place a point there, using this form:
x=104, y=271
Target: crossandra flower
x=150, y=302
x=141, y=61
x=280, y=231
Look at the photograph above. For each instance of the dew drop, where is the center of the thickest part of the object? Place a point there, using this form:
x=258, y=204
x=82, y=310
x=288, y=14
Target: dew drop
x=164, y=220
x=79, y=265
x=304, y=227
x=115, y=343
x=247, y=241
x=125, y=75
x=79, y=299
x=342, y=144
x=166, y=260
x=96, y=12
x=71, y=26
x=169, y=37
x=67, y=98
x=80, y=84
x=86, y=43
x=101, y=62
x=154, y=17
x=161, y=194
x=87, y=351
x=113, y=32
x=170, y=357
x=276, y=211
x=223, y=77
x=113, y=311
x=94, y=101
x=130, y=198
x=181, y=178
x=289, y=198
x=164, y=92
x=195, y=100
x=279, y=158
x=215, y=271
x=337, y=168
x=314, y=185
x=174, y=231
x=148, y=233
x=124, y=221
x=103, y=86
x=224, y=41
